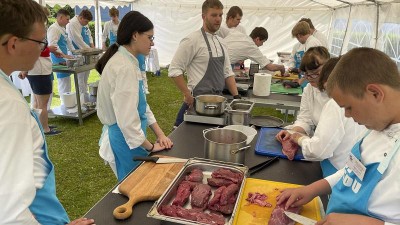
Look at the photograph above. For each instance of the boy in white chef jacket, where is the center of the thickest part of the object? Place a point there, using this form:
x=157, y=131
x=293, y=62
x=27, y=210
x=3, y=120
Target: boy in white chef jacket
x=111, y=27
x=367, y=189
x=81, y=37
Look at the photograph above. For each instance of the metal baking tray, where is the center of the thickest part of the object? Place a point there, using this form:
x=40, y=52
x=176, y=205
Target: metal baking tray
x=266, y=121
x=207, y=166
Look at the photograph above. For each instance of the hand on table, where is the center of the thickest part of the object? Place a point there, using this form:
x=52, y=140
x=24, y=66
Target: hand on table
x=165, y=142
x=82, y=221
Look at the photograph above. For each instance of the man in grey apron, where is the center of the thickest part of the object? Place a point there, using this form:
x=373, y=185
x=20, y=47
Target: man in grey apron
x=203, y=56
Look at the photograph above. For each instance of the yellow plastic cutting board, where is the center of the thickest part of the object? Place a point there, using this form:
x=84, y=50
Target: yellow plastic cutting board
x=256, y=215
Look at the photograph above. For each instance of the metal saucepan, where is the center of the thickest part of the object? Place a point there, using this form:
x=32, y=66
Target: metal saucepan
x=225, y=145
x=210, y=105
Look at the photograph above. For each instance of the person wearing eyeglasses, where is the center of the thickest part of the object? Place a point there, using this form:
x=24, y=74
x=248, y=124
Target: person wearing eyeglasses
x=242, y=47
x=335, y=134
x=81, y=37
x=57, y=37
x=203, y=55
x=121, y=98
x=27, y=187
x=312, y=99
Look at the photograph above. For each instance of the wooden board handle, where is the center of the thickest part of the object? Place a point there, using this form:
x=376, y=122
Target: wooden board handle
x=124, y=211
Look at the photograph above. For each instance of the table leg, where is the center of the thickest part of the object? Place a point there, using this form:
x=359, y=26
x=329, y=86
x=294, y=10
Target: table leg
x=286, y=115
x=78, y=98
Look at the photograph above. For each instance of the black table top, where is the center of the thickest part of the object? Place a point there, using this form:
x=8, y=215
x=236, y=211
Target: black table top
x=189, y=142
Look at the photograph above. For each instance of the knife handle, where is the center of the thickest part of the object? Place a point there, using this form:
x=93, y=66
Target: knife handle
x=145, y=158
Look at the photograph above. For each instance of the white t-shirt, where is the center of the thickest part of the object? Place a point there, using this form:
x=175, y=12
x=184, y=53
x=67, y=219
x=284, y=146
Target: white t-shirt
x=384, y=201
x=43, y=66
x=311, y=42
x=242, y=47
x=192, y=56
x=224, y=30
x=312, y=102
x=23, y=168
x=321, y=38
x=118, y=100
x=334, y=137
x=109, y=26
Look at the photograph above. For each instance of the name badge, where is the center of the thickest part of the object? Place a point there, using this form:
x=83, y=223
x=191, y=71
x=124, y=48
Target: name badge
x=356, y=166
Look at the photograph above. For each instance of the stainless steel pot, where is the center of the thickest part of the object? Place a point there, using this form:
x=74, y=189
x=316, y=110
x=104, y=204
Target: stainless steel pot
x=93, y=88
x=210, y=105
x=225, y=145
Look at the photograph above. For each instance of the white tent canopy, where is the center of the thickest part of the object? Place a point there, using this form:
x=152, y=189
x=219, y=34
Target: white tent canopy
x=346, y=23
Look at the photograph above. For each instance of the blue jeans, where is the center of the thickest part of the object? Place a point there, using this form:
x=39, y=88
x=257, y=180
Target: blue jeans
x=181, y=112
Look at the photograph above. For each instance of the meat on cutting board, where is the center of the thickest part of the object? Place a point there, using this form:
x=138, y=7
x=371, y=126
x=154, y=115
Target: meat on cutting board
x=200, y=196
x=196, y=175
x=218, y=182
x=228, y=175
x=289, y=148
x=182, y=194
x=258, y=199
x=278, y=216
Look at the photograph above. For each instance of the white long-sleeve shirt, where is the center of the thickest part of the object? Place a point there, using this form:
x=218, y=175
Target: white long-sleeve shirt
x=242, y=47
x=74, y=30
x=321, y=38
x=22, y=168
x=384, y=201
x=334, y=137
x=42, y=67
x=192, y=56
x=118, y=100
x=224, y=30
x=53, y=36
x=109, y=26
x=312, y=102
x=311, y=42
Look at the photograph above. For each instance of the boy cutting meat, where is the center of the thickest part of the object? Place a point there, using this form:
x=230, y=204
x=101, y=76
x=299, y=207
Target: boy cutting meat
x=366, y=83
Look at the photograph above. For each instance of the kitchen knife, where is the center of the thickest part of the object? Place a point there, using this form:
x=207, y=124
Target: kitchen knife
x=300, y=219
x=158, y=159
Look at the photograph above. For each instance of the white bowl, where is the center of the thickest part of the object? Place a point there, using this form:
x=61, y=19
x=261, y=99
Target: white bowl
x=248, y=131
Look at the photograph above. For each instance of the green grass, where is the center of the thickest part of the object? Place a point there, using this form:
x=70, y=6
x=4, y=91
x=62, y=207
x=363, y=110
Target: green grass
x=82, y=178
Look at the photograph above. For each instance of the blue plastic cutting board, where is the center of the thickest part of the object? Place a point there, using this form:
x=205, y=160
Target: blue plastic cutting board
x=269, y=146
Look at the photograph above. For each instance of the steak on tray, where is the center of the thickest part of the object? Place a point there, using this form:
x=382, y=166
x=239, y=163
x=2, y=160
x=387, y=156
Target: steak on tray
x=200, y=196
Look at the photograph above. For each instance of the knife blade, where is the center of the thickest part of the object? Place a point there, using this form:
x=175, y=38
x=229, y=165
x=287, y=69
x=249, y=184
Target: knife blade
x=158, y=159
x=300, y=219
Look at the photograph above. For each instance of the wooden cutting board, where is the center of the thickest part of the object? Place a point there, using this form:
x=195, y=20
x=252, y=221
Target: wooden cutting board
x=147, y=183
x=247, y=214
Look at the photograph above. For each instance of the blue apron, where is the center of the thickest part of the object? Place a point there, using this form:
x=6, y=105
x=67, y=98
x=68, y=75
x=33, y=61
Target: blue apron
x=297, y=59
x=85, y=36
x=142, y=62
x=122, y=153
x=62, y=44
x=46, y=207
x=112, y=36
x=350, y=194
x=327, y=168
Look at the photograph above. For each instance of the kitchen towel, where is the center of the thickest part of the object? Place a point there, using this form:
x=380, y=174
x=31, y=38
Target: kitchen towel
x=69, y=99
x=262, y=84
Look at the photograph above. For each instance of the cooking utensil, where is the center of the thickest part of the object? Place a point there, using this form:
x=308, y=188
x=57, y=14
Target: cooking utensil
x=146, y=183
x=266, y=121
x=239, y=112
x=210, y=105
x=300, y=219
x=262, y=165
x=158, y=159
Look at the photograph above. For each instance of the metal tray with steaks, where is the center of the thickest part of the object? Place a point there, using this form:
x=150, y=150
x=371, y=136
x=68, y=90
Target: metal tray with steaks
x=207, y=166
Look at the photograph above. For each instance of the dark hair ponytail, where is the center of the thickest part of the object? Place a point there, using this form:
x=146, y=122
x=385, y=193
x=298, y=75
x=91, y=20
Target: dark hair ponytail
x=131, y=23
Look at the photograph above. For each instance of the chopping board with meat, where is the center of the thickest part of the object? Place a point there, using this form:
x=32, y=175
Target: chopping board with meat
x=258, y=200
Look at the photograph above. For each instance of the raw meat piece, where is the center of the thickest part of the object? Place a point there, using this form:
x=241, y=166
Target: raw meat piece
x=182, y=194
x=169, y=210
x=218, y=182
x=228, y=175
x=200, y=195
x=211, y=218
x=289, y=148
x=227, y=193
x=215, y=204
x=258, y=199
x=278, y=216
x=196, y=175
x=217, y=196
x=189, y=214
x=190, y=183
x=225, y=209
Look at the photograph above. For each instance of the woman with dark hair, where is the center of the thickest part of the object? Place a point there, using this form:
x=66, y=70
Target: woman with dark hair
x=121, y=98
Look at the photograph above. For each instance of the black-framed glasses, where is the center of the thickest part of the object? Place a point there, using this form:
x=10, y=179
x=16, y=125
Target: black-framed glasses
x=43, y=44
x=313, y=74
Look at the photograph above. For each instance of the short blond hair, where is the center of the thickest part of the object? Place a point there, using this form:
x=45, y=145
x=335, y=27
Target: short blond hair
x=360, y=67
x=302, y=28
x=113, y=12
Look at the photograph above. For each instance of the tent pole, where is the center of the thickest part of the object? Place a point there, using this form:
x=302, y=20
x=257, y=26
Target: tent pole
x=377, y=24
x=97, y=24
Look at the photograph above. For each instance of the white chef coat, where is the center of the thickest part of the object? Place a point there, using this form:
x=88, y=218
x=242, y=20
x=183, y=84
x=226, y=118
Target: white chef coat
x=224, y=30
x=53, y=36
x=311, y=42
x=242, y=47
x=312, y=102
x=118, y=99
x=385, y=198
x=23, y=169
x=334, y=137
x=192, y=56
x=109, y=26
x=321, y=38
x=42, y=66
x=74, y=30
